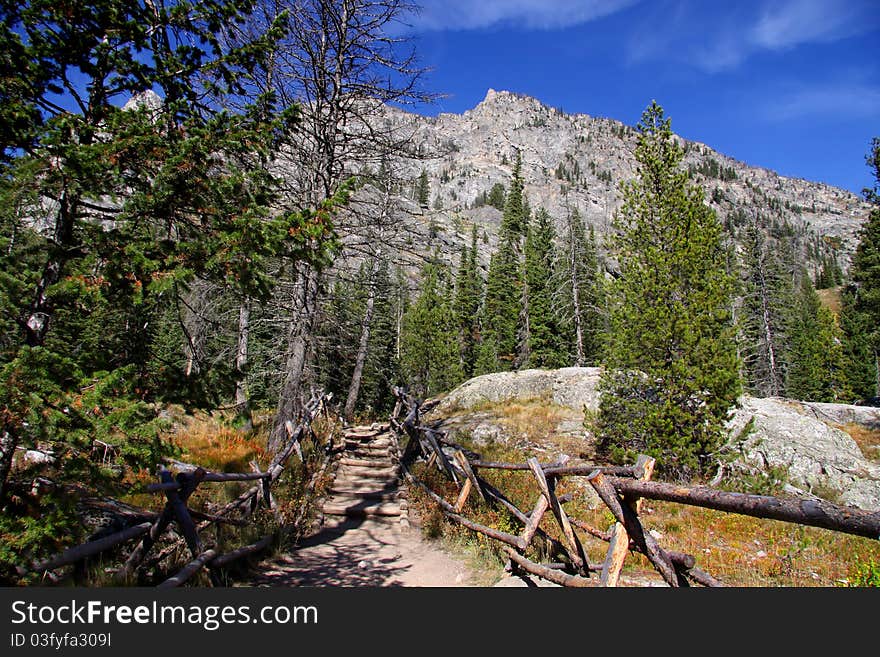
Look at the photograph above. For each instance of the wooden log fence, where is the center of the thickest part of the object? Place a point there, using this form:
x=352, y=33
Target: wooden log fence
x=621, y=489
x=177, y=491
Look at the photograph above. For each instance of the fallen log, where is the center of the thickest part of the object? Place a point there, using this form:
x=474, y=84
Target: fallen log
x=550, y=574
x=188, y=570
x=234, y=555
x=556, y=470
x=79, y=552
x=815, y=513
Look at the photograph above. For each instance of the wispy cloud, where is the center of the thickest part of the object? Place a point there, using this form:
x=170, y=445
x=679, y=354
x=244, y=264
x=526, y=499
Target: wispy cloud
x=720, y=37
x=837, y=100
x=531, y=14
x=788, y=24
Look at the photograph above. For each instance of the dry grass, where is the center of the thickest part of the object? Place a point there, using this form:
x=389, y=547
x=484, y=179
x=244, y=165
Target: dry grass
x=535, y=421
x=745, y=551
x=206, y=441
x=867, y=439
x=830, y=298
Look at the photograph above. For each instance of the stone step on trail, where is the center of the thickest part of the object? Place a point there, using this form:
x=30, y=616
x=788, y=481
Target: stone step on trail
x=367, y=477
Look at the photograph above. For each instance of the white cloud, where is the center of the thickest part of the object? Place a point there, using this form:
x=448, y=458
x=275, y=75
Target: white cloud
x=793, y=22
x=840, y=101
x=532, y=14
x=720, y=37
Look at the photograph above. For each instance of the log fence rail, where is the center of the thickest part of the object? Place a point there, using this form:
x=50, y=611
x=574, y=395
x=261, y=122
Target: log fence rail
x=177, y=490
x=620, y=488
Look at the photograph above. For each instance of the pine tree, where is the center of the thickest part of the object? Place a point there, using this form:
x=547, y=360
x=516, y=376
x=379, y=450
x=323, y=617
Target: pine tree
x=496, y=197
x=671, y=365
x=578, y=297
x=423, y=190
x=138, y=202
x=382, y=371
x=817, y=365
x=468, y=295
x=861, y=299
x=546, y=346
x=499, y=349
x=768, y=300
x=500, y=317
x=515, y=217
x=429, y=348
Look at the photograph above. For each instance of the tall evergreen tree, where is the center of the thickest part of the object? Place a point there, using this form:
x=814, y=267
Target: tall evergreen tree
x=500, y=316
x=468, y=296
x=861, y=299
x=578, y=296
x=817, y=365
x=429, y=348
x=768, y=300
x=496, y=197
x=502, y=306
x=514, y=218
x=546, y=346
x=672, y=373
x=423, y=190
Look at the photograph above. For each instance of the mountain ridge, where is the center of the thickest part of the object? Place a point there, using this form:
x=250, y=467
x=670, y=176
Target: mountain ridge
x=578, y=161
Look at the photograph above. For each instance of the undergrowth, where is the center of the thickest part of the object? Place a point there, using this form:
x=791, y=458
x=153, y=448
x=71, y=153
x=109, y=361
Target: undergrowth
x=204, y=440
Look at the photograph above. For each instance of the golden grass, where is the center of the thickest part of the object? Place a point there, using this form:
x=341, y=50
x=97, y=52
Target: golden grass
x=830, y=298
x=220, y=448
x=867, y=439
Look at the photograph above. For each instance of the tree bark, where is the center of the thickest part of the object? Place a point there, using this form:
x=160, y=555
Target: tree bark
x=36, y=324
x=8, y=443
x=242, y=404
x=363, y=345
x=816, y=513
x=290, y=403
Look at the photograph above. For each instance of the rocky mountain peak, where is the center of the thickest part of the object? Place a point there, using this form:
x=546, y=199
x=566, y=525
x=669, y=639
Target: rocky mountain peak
x=577, y=161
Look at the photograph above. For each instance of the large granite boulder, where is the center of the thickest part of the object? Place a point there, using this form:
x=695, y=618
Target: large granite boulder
x=816, y=456
x=571, y=387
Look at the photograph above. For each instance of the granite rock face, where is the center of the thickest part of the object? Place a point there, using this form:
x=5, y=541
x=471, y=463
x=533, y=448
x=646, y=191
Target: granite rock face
x=818, y=457
x=578, y=161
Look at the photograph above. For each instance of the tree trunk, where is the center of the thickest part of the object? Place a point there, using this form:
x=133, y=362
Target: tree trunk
x=298, y=343
x=242, y=404
x=36, y=325
x=363, y=345
x=8, y=443
x=769, y=334
x=576, y=303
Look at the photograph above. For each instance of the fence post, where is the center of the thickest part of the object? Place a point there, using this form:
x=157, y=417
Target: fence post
x=619, y=545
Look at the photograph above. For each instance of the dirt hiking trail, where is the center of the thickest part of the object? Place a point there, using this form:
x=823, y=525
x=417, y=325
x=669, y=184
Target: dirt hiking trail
x=366, y=538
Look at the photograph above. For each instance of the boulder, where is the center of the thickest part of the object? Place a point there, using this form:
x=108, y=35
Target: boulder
x=819, y=458
x=570, y=387
x=866, y=416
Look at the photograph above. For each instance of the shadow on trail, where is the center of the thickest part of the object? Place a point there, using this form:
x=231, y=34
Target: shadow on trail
x=356, y=552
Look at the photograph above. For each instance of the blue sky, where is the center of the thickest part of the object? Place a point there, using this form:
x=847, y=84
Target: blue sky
x=791, y=85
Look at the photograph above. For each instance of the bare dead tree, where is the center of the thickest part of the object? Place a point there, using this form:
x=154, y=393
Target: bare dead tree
x=342, y=65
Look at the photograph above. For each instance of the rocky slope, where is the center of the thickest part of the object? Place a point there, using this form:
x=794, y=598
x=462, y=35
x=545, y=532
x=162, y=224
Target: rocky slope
x=579, y=161
x=800, y=441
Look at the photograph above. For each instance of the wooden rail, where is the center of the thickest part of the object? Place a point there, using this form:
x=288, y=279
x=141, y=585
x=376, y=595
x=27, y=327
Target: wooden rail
x=621, y=489
x=177, y=491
